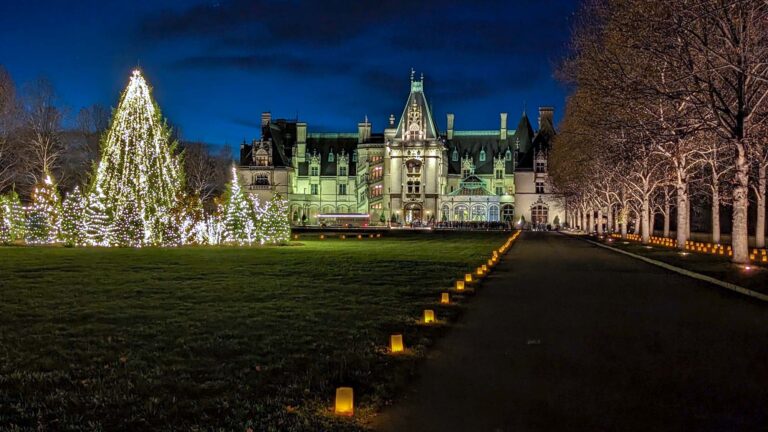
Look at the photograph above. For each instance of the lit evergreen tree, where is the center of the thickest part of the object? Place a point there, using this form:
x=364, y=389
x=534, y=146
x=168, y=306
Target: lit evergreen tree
x=44, y=215
x=127, y=228
x=5, y=226
x=73, y=219
x=97, y=219
x=14, y=216
x=238, y=215
x=274, y=226
x=139, y=169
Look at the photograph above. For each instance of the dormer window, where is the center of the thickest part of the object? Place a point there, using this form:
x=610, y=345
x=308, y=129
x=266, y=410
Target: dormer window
x=541, y=166
x=482, y=155
x=354, y=156
x=508, y=155
x=330, y=156
x=455, y=155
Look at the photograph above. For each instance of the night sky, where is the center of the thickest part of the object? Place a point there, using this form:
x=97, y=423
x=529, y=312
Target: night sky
x=215, y=66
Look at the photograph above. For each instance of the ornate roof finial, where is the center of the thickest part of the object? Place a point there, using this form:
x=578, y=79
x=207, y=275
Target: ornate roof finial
x=422, y=76
x=413, y=72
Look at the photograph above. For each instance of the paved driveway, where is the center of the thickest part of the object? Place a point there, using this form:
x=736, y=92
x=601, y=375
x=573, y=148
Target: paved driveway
x=567, y=336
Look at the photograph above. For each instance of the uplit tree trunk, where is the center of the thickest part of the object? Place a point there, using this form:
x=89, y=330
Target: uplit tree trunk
x=681, y=192
x=590, y=221
x=666, y=218
x=715, y=214
x=624, y=219
x=600, y=222
x=760, y=201
x=644, y=222
x=609, y=225
x=740, y=233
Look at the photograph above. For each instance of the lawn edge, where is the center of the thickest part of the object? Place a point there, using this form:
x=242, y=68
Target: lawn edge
x=727, y=285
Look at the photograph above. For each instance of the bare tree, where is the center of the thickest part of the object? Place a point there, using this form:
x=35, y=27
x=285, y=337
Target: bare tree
x=206, y=171
x=9, y=130
x=82, y=146
x=42, y=130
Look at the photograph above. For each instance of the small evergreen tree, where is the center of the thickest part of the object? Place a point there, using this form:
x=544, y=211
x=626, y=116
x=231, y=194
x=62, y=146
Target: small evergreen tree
x=274, y=227
x=97, y=219
x=73, y=219
x=14, y=216
x=44, y=215
x=128, y=228
x=238, y=215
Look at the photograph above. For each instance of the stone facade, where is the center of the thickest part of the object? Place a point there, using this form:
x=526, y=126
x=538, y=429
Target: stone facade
x=410, y=173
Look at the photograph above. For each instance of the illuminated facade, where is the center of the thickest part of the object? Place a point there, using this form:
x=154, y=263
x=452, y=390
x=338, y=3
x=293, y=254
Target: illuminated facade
x=410, y=173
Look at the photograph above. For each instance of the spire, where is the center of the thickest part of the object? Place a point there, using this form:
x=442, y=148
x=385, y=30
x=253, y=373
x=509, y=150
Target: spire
x=413, y=72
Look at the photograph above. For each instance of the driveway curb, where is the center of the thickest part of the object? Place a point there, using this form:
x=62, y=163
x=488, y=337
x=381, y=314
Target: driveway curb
x=684, y=272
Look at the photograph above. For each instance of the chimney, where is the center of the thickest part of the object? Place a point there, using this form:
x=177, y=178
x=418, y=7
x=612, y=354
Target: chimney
x=450, y=126
x=503, y=128
x=546, y=117
x=266, y=117
x=363, y=131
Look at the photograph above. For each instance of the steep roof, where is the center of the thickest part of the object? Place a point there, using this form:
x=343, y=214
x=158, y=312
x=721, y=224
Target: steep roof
x=472, y=144
x=417, y=102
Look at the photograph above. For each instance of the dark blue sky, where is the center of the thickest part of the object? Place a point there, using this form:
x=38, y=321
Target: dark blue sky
x=216, y=65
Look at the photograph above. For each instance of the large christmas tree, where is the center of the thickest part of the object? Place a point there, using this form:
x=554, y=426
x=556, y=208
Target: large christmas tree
x=139, y=171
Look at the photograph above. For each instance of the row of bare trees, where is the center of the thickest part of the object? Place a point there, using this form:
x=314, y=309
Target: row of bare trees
x=34, y=141
x=669, y=105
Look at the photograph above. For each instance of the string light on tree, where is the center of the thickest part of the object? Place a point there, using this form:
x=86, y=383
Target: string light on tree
x=139, y=171
x=73, y=219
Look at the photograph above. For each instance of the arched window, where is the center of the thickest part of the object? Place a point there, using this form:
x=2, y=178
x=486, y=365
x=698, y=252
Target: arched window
x=493, y=213
x=482, y=155
x=455, y=155
x=460, y=213
x=446, y=216
x=330, y=156
x=478, y=213
x=507, y=213
x=508, y=155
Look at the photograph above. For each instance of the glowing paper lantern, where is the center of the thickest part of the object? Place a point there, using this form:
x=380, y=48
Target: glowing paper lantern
x=343, y=237
x=345, y=404
x=459, y=285
x=429, y=316
x=490, y=263
x=468, y=278
x=445, y=298
x=295, y=236
x=485, y=268
x=396, y=343
x=322, y=236
x=479, y=271
x=359, y=237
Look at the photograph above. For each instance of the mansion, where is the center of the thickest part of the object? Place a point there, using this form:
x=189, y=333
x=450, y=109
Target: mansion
x=411, y=173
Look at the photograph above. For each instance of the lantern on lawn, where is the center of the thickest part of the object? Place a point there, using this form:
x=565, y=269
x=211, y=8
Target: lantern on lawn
x=345, y=404
x=445, y=298
x=396, y=343
x=459, y=285
x=429, y=316
x=468, y=278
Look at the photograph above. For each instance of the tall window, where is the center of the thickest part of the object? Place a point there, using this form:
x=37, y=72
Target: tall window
x=342, y=189
x=342, y=171
x=499, y=190
x=464, y=173
x=541, y=166
x=493, y=213
x=455, y=155
x=539, y=187
x=499, y=174
x=539, y=214
x=482, y=155
x=314, y=170
x=313, y=189
x=508, y=155
x=330, y=156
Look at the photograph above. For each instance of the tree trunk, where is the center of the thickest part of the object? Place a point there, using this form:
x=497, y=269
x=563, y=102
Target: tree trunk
x=760, y=225
x=624, y=220
x=715, y=213
x=681, y=193
x=590, y=221
x=584, y=221
x=666, y=218
x=740, y=233
x=609, y=225
x=600, y=222
x=644, y=221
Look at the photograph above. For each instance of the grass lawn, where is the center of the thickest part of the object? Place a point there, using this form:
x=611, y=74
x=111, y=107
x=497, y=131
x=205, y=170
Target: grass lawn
x=716, y=266
x=218, y=338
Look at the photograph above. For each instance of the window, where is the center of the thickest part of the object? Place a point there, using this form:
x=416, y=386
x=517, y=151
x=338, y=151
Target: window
x=539, y=214
x=261, y=179
x=362, y=196
x=455, y=155
x=308, y=156
x=314, y=170
x=354, y=156
x=482, y=155
x=417, y=187
x=313, y=189
x=539, y=187
x=507, y=212
x=499, y=174
x=342, y=189
x=464, y=173
x=478, y=213
x=499, y=190
x=330, y=156
x=541, y=166
x=508, y=155
x=493, y=214
x=343, y=171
